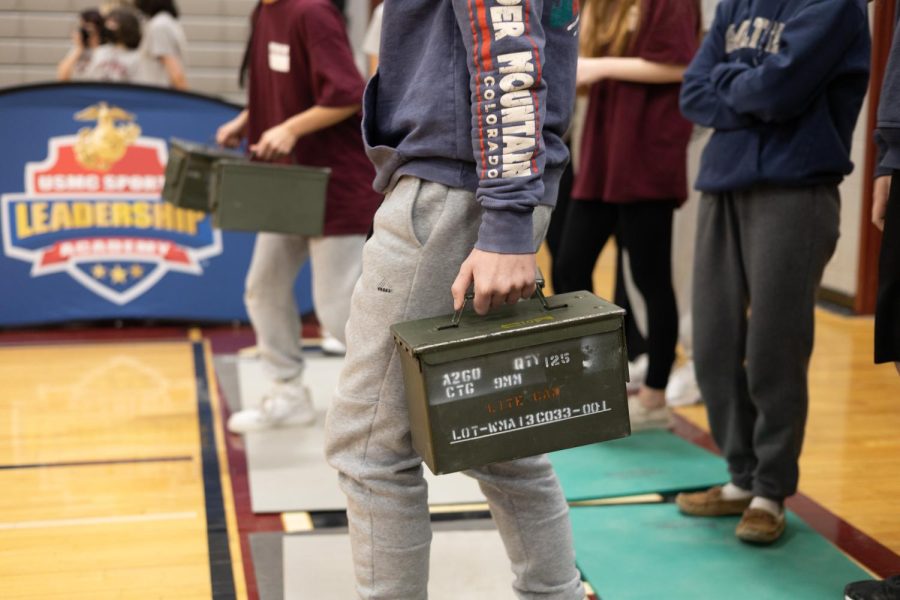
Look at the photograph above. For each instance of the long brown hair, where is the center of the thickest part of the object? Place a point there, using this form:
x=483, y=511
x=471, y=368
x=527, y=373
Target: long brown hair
x=609, y=26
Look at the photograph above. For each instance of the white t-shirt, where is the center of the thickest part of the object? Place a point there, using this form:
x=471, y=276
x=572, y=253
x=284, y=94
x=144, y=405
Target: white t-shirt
x=112, y=63
x=163, y=36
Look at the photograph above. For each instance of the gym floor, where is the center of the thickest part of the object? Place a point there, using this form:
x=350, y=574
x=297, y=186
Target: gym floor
x=120, y=482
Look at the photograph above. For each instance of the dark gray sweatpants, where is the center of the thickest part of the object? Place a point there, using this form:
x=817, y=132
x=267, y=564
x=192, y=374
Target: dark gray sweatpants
x=759, y=259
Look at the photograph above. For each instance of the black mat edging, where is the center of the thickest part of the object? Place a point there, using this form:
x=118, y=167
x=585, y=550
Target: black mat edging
x=220, y=568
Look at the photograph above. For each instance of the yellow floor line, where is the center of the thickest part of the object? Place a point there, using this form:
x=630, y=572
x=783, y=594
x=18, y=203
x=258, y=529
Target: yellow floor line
x=294, y=522
x=234, y=538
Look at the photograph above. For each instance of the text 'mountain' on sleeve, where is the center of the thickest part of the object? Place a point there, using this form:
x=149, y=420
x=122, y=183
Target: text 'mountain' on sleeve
x=505, y=42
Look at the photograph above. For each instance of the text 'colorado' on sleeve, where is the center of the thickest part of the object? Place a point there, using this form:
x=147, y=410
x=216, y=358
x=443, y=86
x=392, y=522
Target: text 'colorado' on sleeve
x=505, y=42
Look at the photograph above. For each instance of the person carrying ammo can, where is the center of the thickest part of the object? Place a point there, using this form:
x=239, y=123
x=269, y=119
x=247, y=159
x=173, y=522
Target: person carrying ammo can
x=463, y=121
x=304, y=99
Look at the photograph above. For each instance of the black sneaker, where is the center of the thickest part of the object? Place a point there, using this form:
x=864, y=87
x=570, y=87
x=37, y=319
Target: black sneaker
x=889, y=589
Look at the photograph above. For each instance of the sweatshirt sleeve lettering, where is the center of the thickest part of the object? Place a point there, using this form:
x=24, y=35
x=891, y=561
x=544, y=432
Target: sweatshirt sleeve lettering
x=799, y=55
x=505, y=42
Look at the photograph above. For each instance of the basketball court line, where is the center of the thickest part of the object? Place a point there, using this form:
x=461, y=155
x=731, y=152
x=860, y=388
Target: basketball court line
x=223, y=537
x=143, y=518
x=98, y=463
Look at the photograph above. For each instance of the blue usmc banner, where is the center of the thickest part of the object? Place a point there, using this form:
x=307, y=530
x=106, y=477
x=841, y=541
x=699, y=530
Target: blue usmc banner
x=84, y=232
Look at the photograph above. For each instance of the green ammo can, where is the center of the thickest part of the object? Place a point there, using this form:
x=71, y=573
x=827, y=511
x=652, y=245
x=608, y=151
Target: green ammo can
x=523, y=380
x=188, y=173
x=255, y=196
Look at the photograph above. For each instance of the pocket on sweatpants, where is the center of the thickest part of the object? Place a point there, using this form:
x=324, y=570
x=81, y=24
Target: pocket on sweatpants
x=425, y=210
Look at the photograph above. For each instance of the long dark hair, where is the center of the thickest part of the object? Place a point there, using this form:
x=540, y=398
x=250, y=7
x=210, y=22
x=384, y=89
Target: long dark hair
x=152, y=7
x=245, y=62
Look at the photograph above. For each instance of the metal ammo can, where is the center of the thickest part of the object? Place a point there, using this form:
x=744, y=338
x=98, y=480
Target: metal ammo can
x=188, y=173
x=523, y=380
x=255, y=196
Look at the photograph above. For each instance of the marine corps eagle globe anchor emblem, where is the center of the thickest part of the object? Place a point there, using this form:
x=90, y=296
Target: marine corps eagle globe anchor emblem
x=101, y=147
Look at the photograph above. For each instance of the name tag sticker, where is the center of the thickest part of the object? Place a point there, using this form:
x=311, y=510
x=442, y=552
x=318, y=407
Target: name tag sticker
x=279, y=57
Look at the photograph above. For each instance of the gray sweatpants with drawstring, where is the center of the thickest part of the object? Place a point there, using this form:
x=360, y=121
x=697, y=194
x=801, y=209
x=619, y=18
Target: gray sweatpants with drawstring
x=423, y=232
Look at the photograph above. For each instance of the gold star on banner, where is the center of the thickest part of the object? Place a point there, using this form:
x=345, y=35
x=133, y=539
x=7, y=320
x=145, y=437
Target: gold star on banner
x=118, y=275
x=99, y=272
x=136, y=271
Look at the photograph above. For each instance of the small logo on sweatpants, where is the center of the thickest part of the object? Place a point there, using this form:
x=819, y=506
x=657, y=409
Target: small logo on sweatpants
x=384, y=286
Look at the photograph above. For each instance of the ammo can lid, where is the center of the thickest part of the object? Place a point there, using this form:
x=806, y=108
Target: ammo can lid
x=295, y=172
x=566, y=310
x=205, y=150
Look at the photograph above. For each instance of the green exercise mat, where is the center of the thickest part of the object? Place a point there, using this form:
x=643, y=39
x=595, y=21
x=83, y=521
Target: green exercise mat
x=646, y=462
x=652, y=551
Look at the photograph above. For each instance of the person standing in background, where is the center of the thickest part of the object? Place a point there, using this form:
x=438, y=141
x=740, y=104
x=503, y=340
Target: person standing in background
x=164, y=45
x=119, y=59
x=303, y=106
x=89, y=36
x=886, y=213
x=633, y=166
x=782, y=84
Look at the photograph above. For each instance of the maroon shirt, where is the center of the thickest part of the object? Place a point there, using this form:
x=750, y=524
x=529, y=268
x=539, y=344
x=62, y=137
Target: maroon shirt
x=300, y=58
x=635, y=140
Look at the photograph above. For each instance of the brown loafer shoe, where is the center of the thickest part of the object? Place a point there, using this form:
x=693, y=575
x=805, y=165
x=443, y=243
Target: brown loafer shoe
x=710, y=503
x=759, y=527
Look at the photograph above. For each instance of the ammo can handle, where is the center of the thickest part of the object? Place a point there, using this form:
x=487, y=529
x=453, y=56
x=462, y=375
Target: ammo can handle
x=538, y=291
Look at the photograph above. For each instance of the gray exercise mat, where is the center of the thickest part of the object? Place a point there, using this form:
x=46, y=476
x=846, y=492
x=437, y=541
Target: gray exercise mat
x=287, y=468
x=268, y=564
x=225, y=366
x=468, y=563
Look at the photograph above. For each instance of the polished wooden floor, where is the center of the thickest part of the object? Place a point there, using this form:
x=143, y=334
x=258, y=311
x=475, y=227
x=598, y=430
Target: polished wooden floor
x=101, y=464
x=100, y=472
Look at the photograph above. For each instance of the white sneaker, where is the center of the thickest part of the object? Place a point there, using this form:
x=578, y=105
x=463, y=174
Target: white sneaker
x=643, y=419
x=287, y=404
x=332, y=346
x=683, y=389
x=637, y=372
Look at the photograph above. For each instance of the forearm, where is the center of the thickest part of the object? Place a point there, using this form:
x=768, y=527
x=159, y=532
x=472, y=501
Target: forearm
x=318, y=117
x=242, y=119
x=632, y=69
x=175, y=71
x=700, y=104
x=67, y=65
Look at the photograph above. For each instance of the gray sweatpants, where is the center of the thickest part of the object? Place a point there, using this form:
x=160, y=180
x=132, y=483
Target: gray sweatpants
x=269, y=292
x=759, y=259
x=423, y=232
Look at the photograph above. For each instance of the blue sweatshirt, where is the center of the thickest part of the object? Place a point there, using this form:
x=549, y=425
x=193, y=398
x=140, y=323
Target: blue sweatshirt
x=476, y=94
x=782, y=83
x=888, y=134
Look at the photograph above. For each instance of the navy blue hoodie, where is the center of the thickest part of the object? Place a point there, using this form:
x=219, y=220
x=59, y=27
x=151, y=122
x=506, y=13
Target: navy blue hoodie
x=782, y=83
x=476, y=94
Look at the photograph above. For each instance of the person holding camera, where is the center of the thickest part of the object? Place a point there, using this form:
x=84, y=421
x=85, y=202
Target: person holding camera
x=89, y=36
x=118, y=60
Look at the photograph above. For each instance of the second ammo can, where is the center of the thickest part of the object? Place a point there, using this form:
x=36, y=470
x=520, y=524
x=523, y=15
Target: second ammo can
x=524, y=380
x=188, y=173
x=254, y=196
